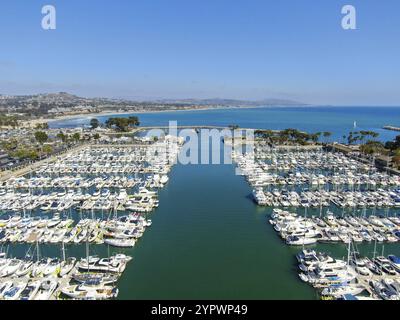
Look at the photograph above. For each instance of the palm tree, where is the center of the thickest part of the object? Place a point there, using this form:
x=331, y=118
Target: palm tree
x=327, y=134
x=94, y=123
x=396, y=158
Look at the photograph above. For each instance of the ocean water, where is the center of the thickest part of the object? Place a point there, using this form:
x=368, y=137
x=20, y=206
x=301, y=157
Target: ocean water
x=338, y=120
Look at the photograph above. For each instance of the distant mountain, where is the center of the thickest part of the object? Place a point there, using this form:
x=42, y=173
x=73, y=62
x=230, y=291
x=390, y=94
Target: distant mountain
x=63, y=102
x=55, y=99
x=232, y=102
x=64, y=97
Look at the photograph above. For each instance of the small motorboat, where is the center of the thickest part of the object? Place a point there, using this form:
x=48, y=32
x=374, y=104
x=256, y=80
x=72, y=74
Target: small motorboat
x=83, y=292
x=14, y=291
x=66, y=266
x=47, y=288
x=122, y=243
x=30, y=291
x=25, y=268
x=103, y=278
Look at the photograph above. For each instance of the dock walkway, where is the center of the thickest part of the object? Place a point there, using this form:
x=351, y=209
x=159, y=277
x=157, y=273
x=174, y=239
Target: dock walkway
x=29, y=168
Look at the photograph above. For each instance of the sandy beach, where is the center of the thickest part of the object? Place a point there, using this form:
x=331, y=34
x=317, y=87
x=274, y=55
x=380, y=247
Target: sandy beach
x=33, y=122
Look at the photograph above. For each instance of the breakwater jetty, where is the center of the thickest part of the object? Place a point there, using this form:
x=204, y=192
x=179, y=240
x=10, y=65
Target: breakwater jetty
x=392, y=128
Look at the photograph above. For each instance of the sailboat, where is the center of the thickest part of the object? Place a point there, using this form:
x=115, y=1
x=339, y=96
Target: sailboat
x=4, y=287
x=25, y=268
x=30, y=290
x=114, y=264
x=66, y=265
x=12, y=266
x=47, y=288
x=14, y=291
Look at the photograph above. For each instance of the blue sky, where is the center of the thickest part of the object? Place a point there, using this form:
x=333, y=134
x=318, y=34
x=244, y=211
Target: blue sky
x=251, y=49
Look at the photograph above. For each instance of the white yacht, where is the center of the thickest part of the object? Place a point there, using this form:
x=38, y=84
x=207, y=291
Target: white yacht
x=90, y=293
x=123, y=243
x=30, y=290
x=46, y=290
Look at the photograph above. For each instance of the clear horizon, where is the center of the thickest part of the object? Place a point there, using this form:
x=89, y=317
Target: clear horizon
x=249, y=50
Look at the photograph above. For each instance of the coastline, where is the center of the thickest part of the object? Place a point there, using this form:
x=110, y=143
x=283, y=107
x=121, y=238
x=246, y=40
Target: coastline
x=106, y=113
x=33, y=122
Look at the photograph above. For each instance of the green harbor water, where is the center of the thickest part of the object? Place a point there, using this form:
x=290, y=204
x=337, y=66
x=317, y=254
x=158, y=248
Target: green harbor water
x=210, y=241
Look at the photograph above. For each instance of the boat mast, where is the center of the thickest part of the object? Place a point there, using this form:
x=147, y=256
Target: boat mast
x=87, y=250
x=63, y=250
x=348, y=253
x=37, y=249
x=320, y=207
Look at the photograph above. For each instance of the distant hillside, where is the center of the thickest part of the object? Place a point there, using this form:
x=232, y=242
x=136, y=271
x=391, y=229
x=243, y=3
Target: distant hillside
x=232, y=102
x=67, y=98
x=65, y=103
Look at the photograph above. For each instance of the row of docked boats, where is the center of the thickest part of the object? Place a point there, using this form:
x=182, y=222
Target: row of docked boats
x=59, y=186
x=122, y=231
x=53, y=205
x=300, y=230
x=143, y=200
x=331, y=171
x=45, y=267
x=309, y=162
x=79, y=182
x=316, y=159
x=90, y=278
x=68, y=182
x=156, y=158
x=320, y=198
x=334, y=181
x=290, y=178
x=359, y=277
